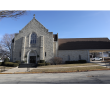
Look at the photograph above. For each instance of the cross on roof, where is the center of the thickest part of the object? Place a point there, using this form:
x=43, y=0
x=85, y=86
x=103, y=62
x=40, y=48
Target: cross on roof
x=34, y=15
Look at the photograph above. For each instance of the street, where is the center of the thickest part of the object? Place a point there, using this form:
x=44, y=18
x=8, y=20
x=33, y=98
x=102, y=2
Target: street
x=91, y=77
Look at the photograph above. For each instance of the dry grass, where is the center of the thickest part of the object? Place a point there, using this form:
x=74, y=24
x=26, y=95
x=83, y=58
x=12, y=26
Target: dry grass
x=70, y=68
x=68, y=65
x=63, y=70
x=74, y=69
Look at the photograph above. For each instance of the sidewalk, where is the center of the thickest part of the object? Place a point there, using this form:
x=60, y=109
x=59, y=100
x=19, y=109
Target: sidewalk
x=104, y=64
x=16, y=69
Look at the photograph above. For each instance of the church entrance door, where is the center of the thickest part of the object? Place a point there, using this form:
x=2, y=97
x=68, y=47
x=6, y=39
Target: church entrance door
x=32, y=59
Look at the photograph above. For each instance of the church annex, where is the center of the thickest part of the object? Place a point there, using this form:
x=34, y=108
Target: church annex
x=34, y=43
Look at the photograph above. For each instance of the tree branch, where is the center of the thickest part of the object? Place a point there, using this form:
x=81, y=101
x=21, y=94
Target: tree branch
x=15, y=14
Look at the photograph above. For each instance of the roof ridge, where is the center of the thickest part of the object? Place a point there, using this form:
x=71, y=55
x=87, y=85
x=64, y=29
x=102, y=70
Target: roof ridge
x=86, y=38
x=40, y=23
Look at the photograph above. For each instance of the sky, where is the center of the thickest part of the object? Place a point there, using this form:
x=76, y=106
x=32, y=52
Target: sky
x=68, y=24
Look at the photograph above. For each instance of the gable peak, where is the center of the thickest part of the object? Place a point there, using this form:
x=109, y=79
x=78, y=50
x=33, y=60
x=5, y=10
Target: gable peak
x=34, y=16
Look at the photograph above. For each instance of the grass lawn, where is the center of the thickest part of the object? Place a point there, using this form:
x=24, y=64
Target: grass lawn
x=72, y=68
x=65, y=68
x=68, y=65
x=76, y=69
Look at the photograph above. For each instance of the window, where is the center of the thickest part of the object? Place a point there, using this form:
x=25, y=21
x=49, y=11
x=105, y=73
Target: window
x=19, y=54
x=33, y=38
x=79, y=57
x=68, y=57
x=45, y=54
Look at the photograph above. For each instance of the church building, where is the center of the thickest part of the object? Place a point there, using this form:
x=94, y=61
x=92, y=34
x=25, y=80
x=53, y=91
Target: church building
x=34, y=43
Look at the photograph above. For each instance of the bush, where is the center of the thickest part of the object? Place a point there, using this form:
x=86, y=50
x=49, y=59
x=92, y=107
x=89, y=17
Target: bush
x=42, y=61
x=6, y=60
x=0, y=63
x=41, y=64
x=11, y=64
x=82, y=61
x=47, y=63
x=38, y=61
x=56, y=60
x=23, y=62
x=71, y=62
x=67, y=62
x=74, y=62
x=8, y=63
x=17, y=62
x=3, y=63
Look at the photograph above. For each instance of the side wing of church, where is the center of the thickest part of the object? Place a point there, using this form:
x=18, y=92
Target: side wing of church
x=34, y=43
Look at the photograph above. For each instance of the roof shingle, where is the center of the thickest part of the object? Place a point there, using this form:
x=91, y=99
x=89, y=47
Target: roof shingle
x=83, y=43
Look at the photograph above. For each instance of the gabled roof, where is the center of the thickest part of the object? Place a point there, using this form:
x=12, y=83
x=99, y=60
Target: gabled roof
x=32, y=21
x=83, y=43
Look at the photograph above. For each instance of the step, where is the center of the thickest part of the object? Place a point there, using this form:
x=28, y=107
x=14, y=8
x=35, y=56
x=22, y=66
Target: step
x=31, y=65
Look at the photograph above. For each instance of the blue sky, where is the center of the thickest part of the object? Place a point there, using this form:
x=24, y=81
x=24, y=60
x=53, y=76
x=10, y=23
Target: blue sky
x=68, y=24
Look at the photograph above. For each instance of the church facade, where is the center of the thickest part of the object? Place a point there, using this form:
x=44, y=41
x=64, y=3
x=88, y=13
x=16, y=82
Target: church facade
x=34, y=43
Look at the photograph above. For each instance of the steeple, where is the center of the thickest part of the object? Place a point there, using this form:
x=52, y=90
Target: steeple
x=34, y=16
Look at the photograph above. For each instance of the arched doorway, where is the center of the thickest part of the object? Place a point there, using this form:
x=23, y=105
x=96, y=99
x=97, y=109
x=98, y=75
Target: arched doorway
x=32, y=57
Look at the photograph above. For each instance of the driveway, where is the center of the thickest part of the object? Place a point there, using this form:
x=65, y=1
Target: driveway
x=92, y=77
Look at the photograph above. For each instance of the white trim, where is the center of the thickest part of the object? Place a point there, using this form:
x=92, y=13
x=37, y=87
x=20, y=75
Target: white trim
x=29, y=39
x=42, y=48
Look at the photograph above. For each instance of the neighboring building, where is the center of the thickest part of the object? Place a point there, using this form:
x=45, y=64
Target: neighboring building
x=34, y=43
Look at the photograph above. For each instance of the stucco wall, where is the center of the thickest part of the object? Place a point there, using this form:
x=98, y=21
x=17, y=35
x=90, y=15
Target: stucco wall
x=74, y=55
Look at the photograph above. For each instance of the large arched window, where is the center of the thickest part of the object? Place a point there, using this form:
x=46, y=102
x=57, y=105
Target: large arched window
x=33, y=38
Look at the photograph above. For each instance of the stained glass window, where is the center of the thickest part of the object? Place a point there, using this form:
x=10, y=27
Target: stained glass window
x=33, y=38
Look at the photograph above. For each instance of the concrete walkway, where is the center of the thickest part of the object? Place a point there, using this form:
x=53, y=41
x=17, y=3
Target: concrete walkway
x=16, y=69
x=103, y=64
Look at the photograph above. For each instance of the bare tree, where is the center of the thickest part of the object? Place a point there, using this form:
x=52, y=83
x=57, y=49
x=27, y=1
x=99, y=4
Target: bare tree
x=5, y=43
x=11, y=13
x=56, y=60
x=3, y=53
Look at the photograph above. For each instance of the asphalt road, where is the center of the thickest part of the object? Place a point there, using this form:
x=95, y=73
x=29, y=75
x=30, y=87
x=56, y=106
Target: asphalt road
x=92, y=77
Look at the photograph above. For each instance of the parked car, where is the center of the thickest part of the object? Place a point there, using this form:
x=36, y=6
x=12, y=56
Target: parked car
x=96, y=59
